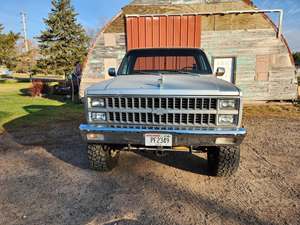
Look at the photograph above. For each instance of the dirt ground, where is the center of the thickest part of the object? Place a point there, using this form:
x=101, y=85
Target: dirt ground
x=44, y=179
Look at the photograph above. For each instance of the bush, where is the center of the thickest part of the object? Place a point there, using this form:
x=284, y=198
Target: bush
x=38, y=88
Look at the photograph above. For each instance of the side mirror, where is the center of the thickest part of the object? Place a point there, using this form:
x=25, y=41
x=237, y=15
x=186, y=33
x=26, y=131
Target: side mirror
x=112, y=72
x=220, y=71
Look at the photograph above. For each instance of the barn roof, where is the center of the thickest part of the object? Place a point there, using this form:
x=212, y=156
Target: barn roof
x=117, y=25
x=167, y=2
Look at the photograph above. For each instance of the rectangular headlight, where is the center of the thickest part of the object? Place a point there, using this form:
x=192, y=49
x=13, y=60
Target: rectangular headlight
x=98, y=116
x=227, y=104
x=97, y=102
x=226, y=119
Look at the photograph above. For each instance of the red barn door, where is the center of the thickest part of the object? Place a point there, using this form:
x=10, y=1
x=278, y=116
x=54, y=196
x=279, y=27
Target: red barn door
x=163, y=31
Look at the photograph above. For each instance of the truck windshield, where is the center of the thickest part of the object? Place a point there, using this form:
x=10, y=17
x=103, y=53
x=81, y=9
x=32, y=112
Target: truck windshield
x=165, y=61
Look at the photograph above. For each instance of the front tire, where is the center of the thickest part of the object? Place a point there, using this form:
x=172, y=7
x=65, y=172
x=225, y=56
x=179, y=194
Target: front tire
x=223, y=161
x=102, y=158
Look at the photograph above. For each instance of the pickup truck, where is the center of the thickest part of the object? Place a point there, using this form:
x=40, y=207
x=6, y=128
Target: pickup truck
x=163, y=100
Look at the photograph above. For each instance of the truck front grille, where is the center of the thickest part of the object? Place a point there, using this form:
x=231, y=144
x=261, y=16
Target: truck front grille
x=162, y=103
x=166, y=119
x=156, y=111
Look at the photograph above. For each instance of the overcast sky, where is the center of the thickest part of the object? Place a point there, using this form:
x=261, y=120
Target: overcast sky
x=93, y=13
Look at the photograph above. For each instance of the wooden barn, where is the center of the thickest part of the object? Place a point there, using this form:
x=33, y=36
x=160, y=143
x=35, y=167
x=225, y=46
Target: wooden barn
x=235, y=34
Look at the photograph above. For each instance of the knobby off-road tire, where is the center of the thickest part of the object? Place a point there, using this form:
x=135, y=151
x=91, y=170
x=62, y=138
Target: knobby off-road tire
x=223, y=161
x=102, y=157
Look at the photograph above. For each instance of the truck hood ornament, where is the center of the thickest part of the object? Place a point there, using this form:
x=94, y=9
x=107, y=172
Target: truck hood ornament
x=161, y=81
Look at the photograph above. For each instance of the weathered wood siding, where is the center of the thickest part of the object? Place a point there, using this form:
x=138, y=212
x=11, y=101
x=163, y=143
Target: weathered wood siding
x=108, y=51
x=246, y=45
x=298, y=79
x=225, y=22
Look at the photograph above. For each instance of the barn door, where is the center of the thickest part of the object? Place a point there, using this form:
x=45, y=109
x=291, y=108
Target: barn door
x=163, y=31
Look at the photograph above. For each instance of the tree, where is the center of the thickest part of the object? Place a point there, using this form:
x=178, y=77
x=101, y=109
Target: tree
x=8, y=51
x=64, y=42
x=296, y=56
x=27, y=61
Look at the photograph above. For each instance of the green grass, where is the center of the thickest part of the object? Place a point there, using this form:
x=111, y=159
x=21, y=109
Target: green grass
x=18, y=110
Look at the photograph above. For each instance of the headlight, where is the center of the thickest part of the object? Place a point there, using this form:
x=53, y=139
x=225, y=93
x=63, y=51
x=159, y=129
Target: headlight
x=96, y=116
x=227, y=104
x=98, y=102
x=226, y=119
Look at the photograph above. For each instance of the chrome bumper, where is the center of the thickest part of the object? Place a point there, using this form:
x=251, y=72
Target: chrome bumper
x=135, y=136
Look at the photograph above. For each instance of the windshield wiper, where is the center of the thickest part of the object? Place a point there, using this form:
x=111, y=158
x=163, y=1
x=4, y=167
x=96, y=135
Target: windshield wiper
x=142, y=72
x=185, y=72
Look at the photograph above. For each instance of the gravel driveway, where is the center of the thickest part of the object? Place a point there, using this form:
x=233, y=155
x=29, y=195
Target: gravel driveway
x=44, y=179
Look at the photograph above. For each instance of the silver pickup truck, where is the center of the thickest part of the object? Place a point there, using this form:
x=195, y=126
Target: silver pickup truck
x=164, y=100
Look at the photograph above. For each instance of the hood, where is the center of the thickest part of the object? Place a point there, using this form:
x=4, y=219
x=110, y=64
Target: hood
x=183, y=84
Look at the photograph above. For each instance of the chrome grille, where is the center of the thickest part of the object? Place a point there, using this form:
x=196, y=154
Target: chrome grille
x=166, y=119
x=162, y=103
x=170, y=111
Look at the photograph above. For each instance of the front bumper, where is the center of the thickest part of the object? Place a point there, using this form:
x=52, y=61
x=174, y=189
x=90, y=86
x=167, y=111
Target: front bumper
x=135, y=136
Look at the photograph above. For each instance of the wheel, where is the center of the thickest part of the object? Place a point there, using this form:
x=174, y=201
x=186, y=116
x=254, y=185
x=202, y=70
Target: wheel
x=223, y=161
x=102, y=157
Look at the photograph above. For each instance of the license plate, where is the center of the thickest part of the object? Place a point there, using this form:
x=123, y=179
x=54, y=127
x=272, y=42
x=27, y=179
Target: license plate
x=158, y=140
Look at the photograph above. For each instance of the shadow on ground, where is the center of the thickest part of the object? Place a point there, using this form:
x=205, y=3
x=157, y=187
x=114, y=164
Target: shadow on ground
x=56, y=128
x=180, y=160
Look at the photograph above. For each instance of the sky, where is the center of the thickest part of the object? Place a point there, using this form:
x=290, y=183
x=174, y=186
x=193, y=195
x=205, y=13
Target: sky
x=94, y=13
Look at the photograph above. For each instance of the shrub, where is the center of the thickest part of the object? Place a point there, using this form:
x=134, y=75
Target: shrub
x=37, y=88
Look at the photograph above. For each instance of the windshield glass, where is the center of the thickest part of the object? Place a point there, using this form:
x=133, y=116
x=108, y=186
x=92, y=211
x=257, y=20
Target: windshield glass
x=165, y=61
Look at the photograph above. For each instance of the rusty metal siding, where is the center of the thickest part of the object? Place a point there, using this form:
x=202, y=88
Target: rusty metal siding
x=163, y=31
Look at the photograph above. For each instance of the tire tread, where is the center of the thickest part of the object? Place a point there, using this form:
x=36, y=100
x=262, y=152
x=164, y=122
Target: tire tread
x=100, y=157
x=224, y=161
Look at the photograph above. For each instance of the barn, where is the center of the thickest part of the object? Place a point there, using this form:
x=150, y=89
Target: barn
x=235, y=34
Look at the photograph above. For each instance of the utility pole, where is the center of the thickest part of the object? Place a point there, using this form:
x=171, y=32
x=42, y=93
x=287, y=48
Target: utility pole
x=24, y=23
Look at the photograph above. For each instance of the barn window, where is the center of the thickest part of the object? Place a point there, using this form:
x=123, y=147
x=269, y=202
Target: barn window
x=262, y=67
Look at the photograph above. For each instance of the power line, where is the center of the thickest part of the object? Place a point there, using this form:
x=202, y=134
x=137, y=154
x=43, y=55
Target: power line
x=24, y=23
